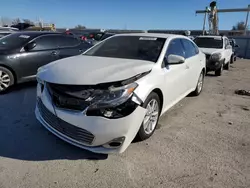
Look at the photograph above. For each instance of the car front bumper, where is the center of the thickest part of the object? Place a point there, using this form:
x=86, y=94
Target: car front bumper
x=73, y=127
x=213, y=65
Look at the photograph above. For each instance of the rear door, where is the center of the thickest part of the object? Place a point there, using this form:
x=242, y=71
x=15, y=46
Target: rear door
x=70, y=46
x=45, y=51
x=192, y=60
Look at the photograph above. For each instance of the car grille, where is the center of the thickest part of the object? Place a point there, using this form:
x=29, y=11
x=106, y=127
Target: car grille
x=65, y=128
x=63, y=100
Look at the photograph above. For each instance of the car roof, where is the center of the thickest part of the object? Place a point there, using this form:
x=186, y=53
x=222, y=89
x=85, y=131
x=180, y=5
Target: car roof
x=211, y=36
x=35, y=33
x=158, y=35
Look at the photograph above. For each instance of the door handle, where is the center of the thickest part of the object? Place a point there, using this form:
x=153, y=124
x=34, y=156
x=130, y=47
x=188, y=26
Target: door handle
x=80, y=50
x=54, y=53
x=187, y=67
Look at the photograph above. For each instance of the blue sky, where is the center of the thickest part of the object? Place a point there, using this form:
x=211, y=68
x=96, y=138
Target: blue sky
x=121, y=14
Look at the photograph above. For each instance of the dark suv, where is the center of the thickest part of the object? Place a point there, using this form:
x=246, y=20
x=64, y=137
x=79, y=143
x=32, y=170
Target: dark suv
x=22, y=53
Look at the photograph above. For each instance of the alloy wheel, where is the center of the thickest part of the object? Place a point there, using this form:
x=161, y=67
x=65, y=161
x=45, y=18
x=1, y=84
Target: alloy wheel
x=200, y=83
x=151, y=117
x=4, y=80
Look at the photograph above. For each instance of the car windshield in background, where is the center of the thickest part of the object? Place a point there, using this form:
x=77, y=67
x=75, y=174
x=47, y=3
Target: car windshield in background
x=14, y=40
x=209, y=42
x=107, y=35
x=129, y=47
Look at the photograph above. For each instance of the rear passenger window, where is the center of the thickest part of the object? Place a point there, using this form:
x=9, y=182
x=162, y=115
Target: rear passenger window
x=46, y=43
x=175, y=47
x=189, y=48
x=67, y=41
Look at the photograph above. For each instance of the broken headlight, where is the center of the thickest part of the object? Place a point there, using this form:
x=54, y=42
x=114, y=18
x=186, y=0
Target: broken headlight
x=113, y=103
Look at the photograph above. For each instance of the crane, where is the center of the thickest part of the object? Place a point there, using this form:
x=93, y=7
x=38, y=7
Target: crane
x=213, y=20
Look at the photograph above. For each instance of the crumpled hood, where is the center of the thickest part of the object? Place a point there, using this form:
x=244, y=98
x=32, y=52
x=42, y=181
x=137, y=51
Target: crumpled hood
x=91, y=70
x=210, y=50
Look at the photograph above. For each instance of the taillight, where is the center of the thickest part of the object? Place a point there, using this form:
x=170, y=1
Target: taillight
x=83, y=38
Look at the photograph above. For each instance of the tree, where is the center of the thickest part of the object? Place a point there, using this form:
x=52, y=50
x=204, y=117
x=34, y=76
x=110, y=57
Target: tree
x=239, y=26
x=16, y=21
x=80, y=27
x=28, y=21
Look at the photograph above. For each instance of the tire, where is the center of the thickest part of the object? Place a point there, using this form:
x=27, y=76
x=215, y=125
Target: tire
x=227, y=66
x=219, y=71
x=6, y=79
x=144, y=133
x=199, y=85
x=232, y=59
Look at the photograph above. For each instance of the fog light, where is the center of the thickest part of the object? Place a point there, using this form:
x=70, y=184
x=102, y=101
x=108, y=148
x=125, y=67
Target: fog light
x=108, y=113
x=115, y=143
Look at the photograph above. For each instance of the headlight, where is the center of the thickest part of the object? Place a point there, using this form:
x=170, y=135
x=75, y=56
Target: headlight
x=112, y=97
x=216, y=56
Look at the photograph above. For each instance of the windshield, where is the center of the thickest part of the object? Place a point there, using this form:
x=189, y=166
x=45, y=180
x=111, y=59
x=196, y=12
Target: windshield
x=14, y=40
x=107, y=35
x=209, y=42
x=129, y=47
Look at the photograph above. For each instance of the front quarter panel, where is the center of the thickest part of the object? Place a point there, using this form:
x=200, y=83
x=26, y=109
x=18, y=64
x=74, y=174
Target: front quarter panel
x=12, y=62
x=154, y=80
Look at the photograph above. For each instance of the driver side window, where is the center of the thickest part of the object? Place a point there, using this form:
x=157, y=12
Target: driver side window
x=175, y=47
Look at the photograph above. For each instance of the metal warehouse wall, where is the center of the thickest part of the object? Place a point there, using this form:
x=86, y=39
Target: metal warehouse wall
x=244, y=43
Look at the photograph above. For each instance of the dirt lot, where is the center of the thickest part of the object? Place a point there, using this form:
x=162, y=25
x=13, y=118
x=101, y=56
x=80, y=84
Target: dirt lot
x=201, y=142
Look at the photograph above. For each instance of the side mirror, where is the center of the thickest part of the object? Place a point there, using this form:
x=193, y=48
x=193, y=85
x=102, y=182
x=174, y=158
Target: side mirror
x=30, y=46
x=175, y=59
x=236, y=46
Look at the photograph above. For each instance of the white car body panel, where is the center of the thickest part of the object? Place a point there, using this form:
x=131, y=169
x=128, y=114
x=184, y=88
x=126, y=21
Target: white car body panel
x=211, y=50
x=173, y=81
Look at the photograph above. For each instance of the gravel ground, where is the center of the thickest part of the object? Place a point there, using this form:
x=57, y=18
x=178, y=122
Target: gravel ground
x=201, y=142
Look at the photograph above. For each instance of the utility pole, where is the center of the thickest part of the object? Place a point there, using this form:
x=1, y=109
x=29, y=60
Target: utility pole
x=226, y=11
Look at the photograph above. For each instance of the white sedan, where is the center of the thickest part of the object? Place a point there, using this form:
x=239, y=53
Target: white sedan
x=117, y=90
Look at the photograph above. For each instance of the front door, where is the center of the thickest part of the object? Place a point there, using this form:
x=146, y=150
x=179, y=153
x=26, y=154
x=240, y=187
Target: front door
x=45, y=51
x=175, y=75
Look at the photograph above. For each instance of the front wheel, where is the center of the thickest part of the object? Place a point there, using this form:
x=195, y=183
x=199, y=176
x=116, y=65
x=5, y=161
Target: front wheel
x=6, y=79
x=219, y=71
x=199, y=85
x=152, y=105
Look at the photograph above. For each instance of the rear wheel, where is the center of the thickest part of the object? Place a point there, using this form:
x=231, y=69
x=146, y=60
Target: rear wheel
x=232, y=59
x=6, y=79
x=150, y=121
x=227, y=66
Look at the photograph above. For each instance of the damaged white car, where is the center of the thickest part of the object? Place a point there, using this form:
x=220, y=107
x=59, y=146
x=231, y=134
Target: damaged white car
x=117, y=90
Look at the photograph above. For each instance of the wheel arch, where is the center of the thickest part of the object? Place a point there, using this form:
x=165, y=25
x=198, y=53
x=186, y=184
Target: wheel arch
x=159, y=92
